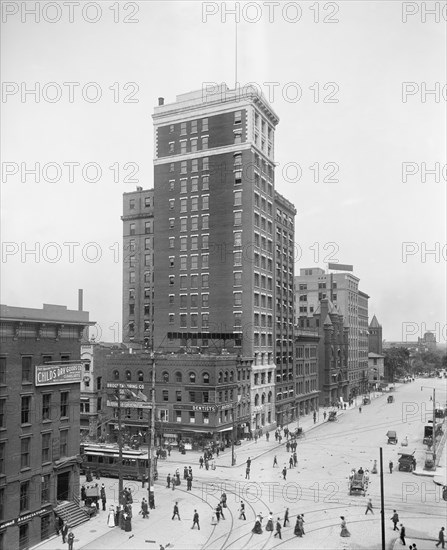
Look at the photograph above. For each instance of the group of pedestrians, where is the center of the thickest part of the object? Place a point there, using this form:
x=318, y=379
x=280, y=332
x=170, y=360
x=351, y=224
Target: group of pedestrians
x=174, y=480
x=279, y=525
x=208, y=461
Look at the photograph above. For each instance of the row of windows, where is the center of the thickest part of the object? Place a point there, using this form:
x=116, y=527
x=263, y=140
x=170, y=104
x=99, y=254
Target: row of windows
x=148, y=260
x=262, y=184
x=193, y=145
x=193, y=126
x=262, y=320
x=147, y=203
x=193, y=300
x=193, y=281
x=194, y=183
x=263, y=223
x=148, y=228
x=223, y=377
x=193, y=204
x=193, y=320
x=193, y=165
x=139, y=376
x=261, y=202
x=262, y=339
x=285, y=219
x=263, y=243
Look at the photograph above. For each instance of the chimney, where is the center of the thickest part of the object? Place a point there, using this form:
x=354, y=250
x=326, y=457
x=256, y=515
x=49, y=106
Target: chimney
x=80, y=299
x=161, y=101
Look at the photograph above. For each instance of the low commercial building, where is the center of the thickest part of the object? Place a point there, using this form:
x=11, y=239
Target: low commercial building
x=40, y=374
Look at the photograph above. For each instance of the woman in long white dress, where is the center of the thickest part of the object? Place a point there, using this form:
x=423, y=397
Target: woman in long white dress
x=111, y=516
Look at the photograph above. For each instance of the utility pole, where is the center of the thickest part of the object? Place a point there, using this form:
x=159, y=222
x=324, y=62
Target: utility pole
x=434, y=421
x=151, y=448
x=382, y=502
x=233, y=458
x=120, y=450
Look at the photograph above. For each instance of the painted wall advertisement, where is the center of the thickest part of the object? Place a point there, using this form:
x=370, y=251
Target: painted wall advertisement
x=58, y=373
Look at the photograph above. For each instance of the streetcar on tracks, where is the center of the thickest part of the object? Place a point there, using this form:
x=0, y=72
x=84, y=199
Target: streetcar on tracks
x=104, y=460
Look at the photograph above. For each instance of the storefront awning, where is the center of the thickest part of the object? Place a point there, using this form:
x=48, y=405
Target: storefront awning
x=225, y=429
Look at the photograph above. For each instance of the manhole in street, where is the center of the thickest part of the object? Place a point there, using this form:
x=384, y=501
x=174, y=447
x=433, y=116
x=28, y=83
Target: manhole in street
x=93, y=530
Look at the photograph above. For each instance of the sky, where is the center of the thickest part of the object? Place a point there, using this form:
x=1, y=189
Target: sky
x=360, y=91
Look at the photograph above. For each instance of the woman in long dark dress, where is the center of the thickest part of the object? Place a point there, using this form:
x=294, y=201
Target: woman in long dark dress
x=298, y=527
x=257, y=529
x=344, y=530
x=269, y=526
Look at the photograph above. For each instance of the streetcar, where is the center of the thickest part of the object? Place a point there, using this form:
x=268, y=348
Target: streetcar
x=103, y=460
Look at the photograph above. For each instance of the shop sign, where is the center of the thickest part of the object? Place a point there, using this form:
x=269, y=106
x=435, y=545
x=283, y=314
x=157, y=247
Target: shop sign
x=130, y=404
x=227, y=406
x=26, y=517
x=204, y=408
x=114, y=385
x=58, y=373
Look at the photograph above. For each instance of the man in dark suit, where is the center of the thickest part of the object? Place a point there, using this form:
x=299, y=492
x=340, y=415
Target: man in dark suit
x=402, y=534
x=64, y=532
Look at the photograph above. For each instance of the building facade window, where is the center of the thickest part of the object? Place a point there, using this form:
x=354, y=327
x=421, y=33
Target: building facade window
x=26, y=409
x=63, y=443
x=26, y=369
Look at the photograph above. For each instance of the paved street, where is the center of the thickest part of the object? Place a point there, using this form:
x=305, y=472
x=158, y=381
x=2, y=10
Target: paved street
x=317, y=488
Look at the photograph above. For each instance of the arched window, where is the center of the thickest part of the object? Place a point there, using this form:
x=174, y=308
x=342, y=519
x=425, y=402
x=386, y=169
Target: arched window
x=231, y=376
x=128, y=375
x=206, y=378
x=220, y=377
x=269, y=397
x=256, y=400
x=192, y=377
x=140, y=376
x=178, y=377
x=116, y=375
x=165, y=376
x=226, y=376
x=263, y=398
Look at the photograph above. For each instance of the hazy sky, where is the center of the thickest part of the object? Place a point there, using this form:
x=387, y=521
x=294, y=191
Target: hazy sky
x=335, y=74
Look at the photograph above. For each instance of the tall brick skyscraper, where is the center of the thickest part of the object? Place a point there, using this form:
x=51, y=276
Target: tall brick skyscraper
x=214, y=238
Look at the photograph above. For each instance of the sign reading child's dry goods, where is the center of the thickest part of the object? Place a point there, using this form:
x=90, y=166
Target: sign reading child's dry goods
x=58, y=373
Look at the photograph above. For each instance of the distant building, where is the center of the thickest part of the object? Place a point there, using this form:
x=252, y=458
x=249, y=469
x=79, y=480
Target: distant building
x=428, y=341
x=313, y=285
x=375, y=336
x=40, y=375
x=138, y=266
x=333, y=344
x=363, y=340
x=307, y=370
x=376, y=368
x=425, y=344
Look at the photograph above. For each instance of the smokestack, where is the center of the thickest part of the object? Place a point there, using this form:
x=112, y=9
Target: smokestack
x=161, y=101
x=80, y=299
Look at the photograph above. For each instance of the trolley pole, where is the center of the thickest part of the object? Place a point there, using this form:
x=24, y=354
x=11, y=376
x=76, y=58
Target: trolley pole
x=151, y=496
x=382, y=502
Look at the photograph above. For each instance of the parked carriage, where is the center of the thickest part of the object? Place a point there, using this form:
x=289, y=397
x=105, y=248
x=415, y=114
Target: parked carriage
x=358, y=484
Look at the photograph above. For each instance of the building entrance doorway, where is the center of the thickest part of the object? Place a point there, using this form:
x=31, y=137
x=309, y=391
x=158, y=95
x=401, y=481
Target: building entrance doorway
x=63, y=486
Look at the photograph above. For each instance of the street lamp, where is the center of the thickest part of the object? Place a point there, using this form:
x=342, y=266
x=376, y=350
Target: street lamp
x=233, y=457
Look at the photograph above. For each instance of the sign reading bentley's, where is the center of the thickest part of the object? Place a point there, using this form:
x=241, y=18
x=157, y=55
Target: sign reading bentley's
x=58, y=373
